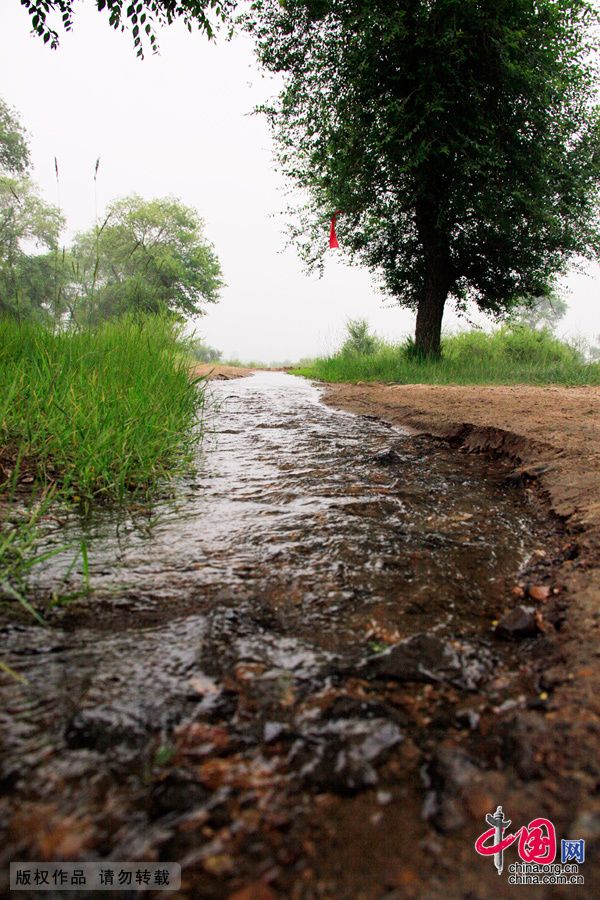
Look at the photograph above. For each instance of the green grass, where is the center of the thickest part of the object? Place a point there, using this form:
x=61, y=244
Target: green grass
x=510, y=355
x=101, y=412
x=86, y=417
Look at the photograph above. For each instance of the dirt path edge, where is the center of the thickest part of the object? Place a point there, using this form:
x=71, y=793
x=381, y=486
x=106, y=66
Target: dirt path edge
x=220, y=372
x=552, y=436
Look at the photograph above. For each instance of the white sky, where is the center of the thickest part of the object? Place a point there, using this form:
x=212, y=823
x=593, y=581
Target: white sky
x=181, y=124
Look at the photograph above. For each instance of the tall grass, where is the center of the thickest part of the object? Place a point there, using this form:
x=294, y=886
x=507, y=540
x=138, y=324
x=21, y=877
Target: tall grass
x=86, y=417
x=510, y=355
x=99, y=412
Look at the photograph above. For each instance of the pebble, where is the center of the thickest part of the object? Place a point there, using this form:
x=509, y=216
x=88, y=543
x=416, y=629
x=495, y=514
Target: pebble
x=520, y=622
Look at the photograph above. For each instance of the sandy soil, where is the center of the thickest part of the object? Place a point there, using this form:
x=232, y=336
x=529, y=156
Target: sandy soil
x=218, y=372
x=552, y=434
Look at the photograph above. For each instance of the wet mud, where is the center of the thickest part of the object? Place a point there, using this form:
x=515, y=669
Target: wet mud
x=311, y=673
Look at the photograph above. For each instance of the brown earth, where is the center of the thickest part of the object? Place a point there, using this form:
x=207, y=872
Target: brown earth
x=552, y=435
x=219, y=372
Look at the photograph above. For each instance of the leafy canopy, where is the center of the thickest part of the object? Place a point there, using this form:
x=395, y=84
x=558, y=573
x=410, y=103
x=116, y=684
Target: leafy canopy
x=29, y=227
x=148, y=256
x=29, y=234
x=460, y=139
x=14, y=150
x=140, y=18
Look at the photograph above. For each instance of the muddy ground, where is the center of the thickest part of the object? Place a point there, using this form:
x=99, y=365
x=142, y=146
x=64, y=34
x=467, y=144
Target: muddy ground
x=314, y=670
x=552, y=437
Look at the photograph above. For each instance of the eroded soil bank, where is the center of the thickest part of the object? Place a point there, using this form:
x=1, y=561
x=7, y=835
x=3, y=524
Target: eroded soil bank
x=290, y=678
x=551, y=437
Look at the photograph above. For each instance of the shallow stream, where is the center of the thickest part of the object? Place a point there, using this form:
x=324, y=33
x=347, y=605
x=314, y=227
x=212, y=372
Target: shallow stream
x=306, y=619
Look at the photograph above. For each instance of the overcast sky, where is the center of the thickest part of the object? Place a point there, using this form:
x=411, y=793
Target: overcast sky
x=181, y=123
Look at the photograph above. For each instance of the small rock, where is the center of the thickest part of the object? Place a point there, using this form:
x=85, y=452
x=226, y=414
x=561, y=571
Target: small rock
x=570, y=551
x=449, y=775
x=429, y=659
x=347, y=707
x=387, y=457
x=420, y=658
x=259, y=890
x=341, y=756
x=272, y=731
x=522, y=739
x=520, y=622
x=586, y=825
x=553, y=677
x=218, y=864
x=104, y=729
x=511, y=703
x=539, y=592
x=177, y=792
x=468, y=718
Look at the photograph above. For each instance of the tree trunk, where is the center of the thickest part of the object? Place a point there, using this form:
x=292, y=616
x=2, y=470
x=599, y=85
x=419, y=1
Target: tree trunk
x=437, y=282
x=431, y=310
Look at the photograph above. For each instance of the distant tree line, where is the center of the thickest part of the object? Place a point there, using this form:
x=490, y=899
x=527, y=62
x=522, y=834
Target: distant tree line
x=145, y=255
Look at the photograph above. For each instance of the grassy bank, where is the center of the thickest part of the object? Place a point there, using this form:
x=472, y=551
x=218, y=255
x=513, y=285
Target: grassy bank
x=99, y=412
x=88, y=416
x=516, y=355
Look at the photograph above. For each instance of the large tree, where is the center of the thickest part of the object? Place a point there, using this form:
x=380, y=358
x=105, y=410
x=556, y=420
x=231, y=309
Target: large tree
x=148, y=255
x=29, y=230
x=140, y=17
x=459, y=138
x=27, y=223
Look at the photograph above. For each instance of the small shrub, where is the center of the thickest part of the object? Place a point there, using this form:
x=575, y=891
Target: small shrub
x=359, y=341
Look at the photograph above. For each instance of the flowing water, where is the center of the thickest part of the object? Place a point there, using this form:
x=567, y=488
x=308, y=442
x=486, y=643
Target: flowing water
x=300, y=626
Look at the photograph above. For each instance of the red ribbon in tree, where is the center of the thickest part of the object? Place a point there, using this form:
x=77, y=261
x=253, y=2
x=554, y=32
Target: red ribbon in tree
x=333, y=241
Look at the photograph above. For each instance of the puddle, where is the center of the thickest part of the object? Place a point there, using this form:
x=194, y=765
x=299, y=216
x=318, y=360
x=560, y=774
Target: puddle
x=305, y=620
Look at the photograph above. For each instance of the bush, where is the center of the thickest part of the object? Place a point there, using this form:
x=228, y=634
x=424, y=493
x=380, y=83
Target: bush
x=359, y=341
x=512, y=343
